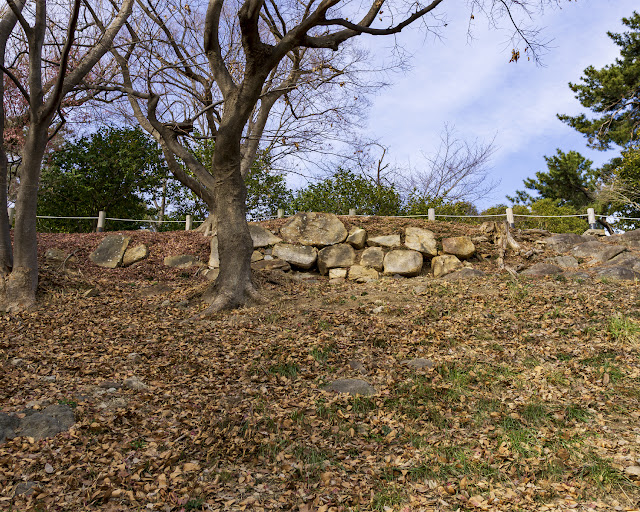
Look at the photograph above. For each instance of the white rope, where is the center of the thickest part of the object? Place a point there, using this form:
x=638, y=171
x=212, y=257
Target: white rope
x=73, y=218
x=551, y=216
x=146, y=220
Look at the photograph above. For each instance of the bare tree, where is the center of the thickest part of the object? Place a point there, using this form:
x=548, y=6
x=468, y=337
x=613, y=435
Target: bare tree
x=62, y=48
x=457, y=171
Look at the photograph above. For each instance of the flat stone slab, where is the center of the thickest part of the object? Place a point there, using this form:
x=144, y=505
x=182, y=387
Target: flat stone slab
x=564, y=242
x=389, y=241
x=110, y=252
x=351, y=386
x=181, y=261
x=618, y=273
x=373, y=257
x=335, y=256
x=418, y=363
x=597, y=251
x=262, y=237
x=274, y=264
x=299, y=256
x=361, y=274
x=465, y=273
x=563, y=261
x=37, y=424
x=542, y=269
x=135, y=254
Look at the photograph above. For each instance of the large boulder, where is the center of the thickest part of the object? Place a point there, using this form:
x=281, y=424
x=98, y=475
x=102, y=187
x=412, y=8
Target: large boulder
x=421, y=240
x=597, y=251
x=361, y=274
x=110, y=251
x=300, y=256
x=564, y=242
x=618, y=273
x=319, y=229
x=135, y=254
x=335, y=256
x=445, y=264
x=563, y=261
x=403, y=262
x=460, y=246
x=373, y=257
x=262, y=237
x=388, y=241
x=357, y=238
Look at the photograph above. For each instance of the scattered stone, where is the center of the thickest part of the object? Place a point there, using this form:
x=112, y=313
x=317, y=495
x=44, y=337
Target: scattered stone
x=262, y=237
x=594, y=232
x=274, y=264
x=357, y=238
x=134, y=383
x=319, y=229
x=25, y=488
x=181, y=261
x=352, y=386
x=47, y=423
x=464, y=274
x=165, y=303
x=57, y=255
x=445, y=264
x=577, y=276
x=135, y=254
x=418, y=363
x=421, y=240
x=255, y=256
x=8, y=425
x=110, y=251
x=91, y=292
x=48, y=469
x=16, y=361
x=49, y=378
x=182, y=304
x=404, y=262
x=358, y=366
x=625, y=259
x=563, y=261
x=299, y=256
x=156, y=289
x=335, y=256
x=373, y=257
x=542, y=269
x=597, y=251
x=633, y=471
x=337, y=273
x=564, y=242
x=460, y=246
x=361, y=274
x=488, y=227
x=134, y=357
x=389, y=241
x=108, y=384
x=214, y=255
x=618, y=273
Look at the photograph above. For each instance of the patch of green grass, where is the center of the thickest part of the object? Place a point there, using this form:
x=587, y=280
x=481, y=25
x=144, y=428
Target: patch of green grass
x=272, y=449
x=390, y=496
x=363, y=404
x=623, y=329
x=310, y=455
x=520, y=438
x=602, y=473
x=289, y=370
x=574, y=412
x=535, y=413
x=68, y=401
x=564, y=356
x=557, y=378
x=194, y=504
x=138, y=444
x=321, y=354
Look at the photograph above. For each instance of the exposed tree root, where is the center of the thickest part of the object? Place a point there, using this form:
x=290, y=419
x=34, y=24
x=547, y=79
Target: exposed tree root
x=17, y=292
x=225, y=299
x=208, y=227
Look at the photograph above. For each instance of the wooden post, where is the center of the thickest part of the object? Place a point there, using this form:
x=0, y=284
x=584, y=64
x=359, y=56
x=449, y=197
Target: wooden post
x=187, y=224
x=510, y=218
x=591, y=215
x=280, y=213
x=431, y=214
x=102, y=220
x=352, y=211
x=12, y=213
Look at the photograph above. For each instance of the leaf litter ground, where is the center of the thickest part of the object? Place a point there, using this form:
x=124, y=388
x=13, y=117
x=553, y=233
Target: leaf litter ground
x=532, y=402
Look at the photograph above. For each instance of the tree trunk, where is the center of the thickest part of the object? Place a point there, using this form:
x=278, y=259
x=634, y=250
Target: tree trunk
x=6, y=253
x=21, y=283
x=234, y=286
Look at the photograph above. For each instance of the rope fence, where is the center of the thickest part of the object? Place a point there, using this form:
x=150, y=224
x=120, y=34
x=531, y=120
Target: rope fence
x=431, y=215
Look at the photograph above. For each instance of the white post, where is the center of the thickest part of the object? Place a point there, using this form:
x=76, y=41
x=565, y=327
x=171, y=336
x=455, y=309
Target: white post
x=591, y=214
x=12, y=213
x=187, y=224
x=280, y=213
x=352, y=211
x=102, y=220
x=510, y=218
x=431, y=214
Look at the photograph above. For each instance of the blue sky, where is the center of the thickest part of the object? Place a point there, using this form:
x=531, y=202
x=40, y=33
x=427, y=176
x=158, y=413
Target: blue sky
x=474, y=87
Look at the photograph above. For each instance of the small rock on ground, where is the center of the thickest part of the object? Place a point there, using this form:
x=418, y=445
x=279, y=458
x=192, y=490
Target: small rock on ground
x=352, y=386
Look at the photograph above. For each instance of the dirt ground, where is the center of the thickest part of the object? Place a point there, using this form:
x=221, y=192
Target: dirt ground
x=532, y=400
